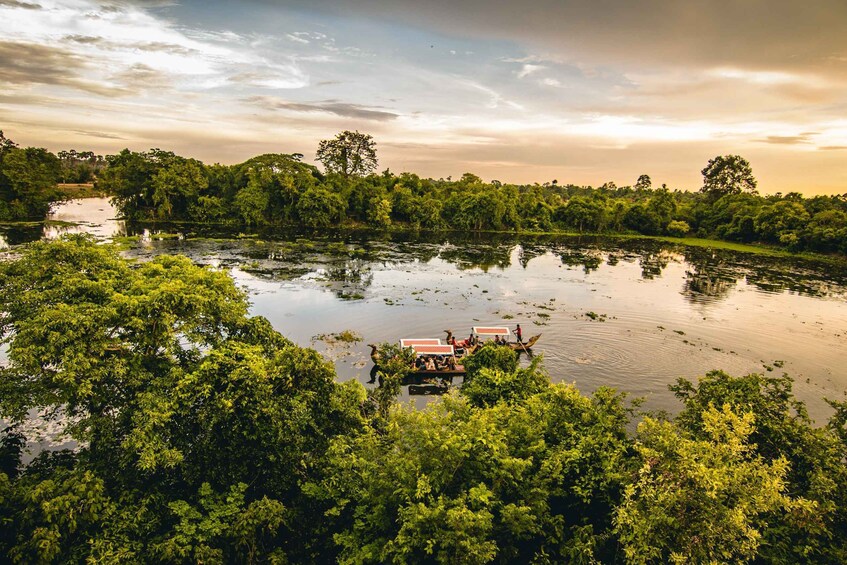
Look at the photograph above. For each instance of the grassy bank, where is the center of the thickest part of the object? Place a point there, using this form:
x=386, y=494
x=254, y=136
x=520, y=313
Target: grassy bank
x=72, y=191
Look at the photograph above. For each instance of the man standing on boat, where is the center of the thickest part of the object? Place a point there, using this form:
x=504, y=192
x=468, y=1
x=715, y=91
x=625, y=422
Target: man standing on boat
x=519, y=334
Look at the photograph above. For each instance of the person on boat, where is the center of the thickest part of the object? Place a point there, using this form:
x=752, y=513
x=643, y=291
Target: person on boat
x=420, y=363
x=430, y=364
x=451, y=363
x=452, y=341
x=497, y=340
x=519, y=334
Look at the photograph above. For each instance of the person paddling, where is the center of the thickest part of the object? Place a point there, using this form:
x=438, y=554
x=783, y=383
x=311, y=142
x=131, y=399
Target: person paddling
x=519, y=334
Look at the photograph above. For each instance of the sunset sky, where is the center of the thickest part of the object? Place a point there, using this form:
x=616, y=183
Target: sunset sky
x=583, y=91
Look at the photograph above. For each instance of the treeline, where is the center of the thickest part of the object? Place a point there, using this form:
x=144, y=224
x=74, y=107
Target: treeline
x=203, y=435
x=29, y=177
x=278, y=189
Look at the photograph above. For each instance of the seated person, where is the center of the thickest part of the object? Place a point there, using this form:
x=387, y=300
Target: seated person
x=430, y=364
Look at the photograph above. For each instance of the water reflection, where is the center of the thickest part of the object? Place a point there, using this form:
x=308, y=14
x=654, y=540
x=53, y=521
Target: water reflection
x=588, y=259
x=345, y=260
x=703, y=285
x=630, y=313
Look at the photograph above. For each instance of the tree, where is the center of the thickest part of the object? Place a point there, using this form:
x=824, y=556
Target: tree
x=643, y=183
x=319, y=208
x=677, y=228
x=195, y=424
x=128, y=179
x=5, y=144
x=728, y=174
x=28, y=180
x=177, y=186
x=701, y=500
x=350, y=154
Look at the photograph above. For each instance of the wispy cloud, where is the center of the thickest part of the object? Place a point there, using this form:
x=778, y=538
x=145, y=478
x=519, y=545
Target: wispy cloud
x=20, y=4
x=529, y=69
x=788, y=139
x=336, y=107
x=29, y=64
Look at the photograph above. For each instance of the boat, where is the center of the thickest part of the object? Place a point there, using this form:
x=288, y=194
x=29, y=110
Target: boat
x=481, y=333
x=429, y=347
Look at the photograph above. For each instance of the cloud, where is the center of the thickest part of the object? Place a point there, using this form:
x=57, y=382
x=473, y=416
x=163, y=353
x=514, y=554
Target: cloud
x=84, y=39
x=18, y=4
x=100, y=134
x=528, y=69
x=141, y=77
x=342, y=109
x=833, y=148
x=148, y=46
x=27, y=63
x=757, y=34
x=787, y=139
x=297, y=38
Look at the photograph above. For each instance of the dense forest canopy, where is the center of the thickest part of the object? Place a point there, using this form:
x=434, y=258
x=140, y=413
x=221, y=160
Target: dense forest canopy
x=279, y=189
x=203, y=435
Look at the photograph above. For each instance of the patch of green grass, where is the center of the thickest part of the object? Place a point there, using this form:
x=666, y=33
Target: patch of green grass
x=162, y=236
x=81, y=190
x=346, y=336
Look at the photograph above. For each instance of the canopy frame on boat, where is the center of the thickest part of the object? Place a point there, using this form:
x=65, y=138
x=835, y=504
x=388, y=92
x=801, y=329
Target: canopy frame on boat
x=423, y=349
x=491, y=331
x=413, y=341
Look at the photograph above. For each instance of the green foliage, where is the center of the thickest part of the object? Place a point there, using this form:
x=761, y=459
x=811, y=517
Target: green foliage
x=203, y=435
x=177, y=186
x=782, y=431
x=515, y=482
x=28, y=180
x=678, y=228
x=701, y=500
x=221, y=528
x=493, y=357
x=728, y=174
x=488, y=386
x=80, y=166
x=350, y=153
x=128, y=178
x=278, y=189
x=318, y=208
x=167, y=385
x=379, y=212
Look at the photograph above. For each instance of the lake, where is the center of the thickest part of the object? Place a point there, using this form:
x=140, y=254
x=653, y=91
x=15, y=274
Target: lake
x=634, y=314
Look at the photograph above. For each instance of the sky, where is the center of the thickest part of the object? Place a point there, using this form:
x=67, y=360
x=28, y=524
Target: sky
x=581, y=91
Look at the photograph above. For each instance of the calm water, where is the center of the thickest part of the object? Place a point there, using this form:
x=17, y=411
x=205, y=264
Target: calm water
x=630, y=314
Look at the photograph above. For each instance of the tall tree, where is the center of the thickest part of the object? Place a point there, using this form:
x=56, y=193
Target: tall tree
x=5, y=143
x=350, y=154
x=728, y=174
x=643, y=182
